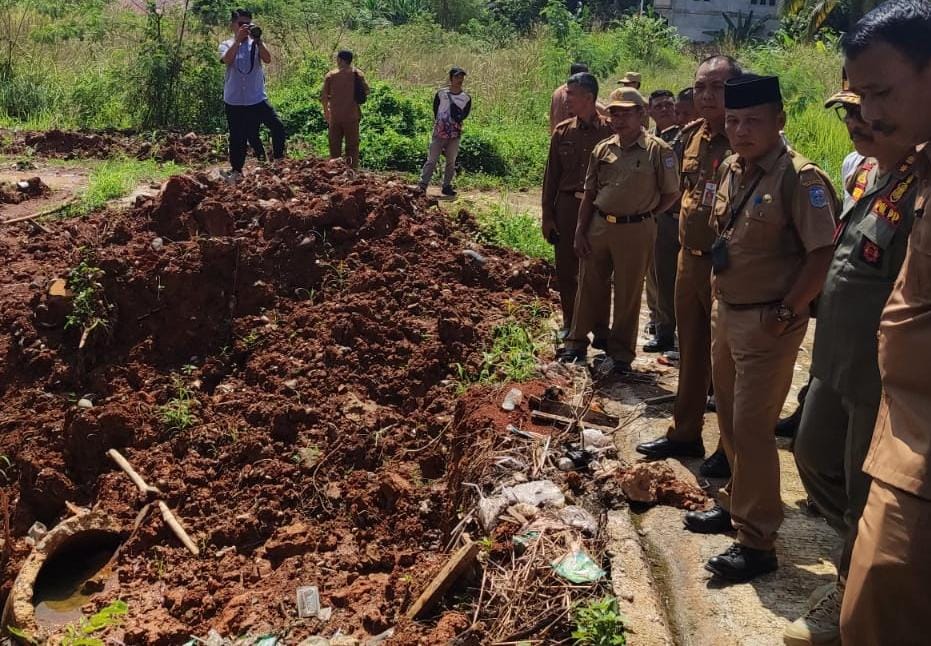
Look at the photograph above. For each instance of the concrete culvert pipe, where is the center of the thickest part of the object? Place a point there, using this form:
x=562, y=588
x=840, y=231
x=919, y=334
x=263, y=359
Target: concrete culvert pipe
x=64, y=570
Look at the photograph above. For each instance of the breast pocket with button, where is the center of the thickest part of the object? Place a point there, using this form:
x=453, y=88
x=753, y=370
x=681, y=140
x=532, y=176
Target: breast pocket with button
x=758, y=227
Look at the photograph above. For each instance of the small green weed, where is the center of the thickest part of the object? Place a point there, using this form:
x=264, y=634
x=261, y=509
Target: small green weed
x=599, y=623
x=21, y=634
x=5, y=466
x=501, y=225
x=81, y=634
x=89, y=306
x=251, y=341
x=307, y=456
x=176, y=415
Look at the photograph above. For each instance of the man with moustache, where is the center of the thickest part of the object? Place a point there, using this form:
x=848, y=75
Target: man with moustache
x=571, y=148
x=843, y=398
x=705, y=146
x=774, y=217
x=887, y=597
x=631, y=176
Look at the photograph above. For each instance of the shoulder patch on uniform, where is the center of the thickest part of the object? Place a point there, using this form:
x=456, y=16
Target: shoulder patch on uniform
x=817, y=196
x=691, y=125
x=669, y=161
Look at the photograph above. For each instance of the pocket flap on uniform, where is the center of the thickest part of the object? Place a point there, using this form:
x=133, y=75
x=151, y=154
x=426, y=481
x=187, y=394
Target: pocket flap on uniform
x=877, y=229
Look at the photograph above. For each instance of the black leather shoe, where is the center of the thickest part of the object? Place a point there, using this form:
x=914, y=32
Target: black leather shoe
x=715, y=466
x=717, y=520
x=568, y=355
x=600, y=344
x=742, y=563
x=665, y=448
x=448, y=191
x=788, y=426
x=659, y=344
x=621, y=368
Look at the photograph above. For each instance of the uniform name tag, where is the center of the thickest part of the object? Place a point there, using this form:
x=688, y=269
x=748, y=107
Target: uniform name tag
x=707, y=196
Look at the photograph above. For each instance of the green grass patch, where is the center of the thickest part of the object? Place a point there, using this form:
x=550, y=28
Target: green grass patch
x=516, y=343
x=501, y=225
x=116, y=178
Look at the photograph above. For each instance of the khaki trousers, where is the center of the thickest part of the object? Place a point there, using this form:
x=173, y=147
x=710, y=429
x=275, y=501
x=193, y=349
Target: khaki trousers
x=752, y=372
x=693, y=314
x=833, y=439
x=348, y=130
x=888, y=594
x=567, y=265
x=621, y=250
x=665, y=258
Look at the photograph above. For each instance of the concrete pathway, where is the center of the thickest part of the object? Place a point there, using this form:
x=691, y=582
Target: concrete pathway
x=662, y=566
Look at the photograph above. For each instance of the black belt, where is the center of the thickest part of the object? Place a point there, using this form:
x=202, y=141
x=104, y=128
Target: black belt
x=625, y=219
x=750, y=306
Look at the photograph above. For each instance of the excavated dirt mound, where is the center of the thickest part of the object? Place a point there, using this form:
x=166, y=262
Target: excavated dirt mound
x=308, y=322
x=188, y=149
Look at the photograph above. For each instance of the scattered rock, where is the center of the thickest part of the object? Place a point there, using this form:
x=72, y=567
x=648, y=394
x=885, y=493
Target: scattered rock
x=656, y=482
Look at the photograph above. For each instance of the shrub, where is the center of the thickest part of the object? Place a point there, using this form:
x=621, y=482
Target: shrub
x=388, y=150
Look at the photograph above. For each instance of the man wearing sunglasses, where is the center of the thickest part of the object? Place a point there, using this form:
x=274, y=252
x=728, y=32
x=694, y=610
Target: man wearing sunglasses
x=244, y=94
x=840, y=409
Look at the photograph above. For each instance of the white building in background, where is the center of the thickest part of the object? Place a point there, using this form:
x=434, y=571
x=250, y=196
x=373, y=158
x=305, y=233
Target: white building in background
x=695, y=17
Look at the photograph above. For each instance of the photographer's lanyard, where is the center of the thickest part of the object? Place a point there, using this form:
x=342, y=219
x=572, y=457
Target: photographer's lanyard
x=735, y=212
x=251, y=60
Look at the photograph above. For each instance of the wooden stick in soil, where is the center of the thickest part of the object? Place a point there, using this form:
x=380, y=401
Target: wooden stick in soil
x=124, y=464
x=175, y=525
x=41, y=214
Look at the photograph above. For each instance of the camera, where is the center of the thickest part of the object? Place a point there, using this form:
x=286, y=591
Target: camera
x=255, y=32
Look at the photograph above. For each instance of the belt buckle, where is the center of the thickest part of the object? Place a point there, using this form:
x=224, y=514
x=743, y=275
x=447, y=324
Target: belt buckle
x=611, y=219
x=695, y=252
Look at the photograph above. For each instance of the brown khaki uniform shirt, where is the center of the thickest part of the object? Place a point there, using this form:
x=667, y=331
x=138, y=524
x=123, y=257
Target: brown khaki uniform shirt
x=339, y=90
x=789, y=214
x=629, y=181
x=571, y=148
x=900, y=455
x=702, y=156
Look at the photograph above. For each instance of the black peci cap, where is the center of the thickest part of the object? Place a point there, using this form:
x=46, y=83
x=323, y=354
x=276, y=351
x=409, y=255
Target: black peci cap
x=749, y=90
x=456, y=71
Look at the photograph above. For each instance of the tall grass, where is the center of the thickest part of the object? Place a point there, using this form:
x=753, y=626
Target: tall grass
x=511, y=82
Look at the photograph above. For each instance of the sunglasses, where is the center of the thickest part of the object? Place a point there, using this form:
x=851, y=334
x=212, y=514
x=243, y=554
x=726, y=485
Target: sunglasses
x=847, y=111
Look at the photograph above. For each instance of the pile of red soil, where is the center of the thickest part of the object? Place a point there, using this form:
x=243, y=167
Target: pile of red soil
x=316, y=317
x=23, y=190
x=189, y=149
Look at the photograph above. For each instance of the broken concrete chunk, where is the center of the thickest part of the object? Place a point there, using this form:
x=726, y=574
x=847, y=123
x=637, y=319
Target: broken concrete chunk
x=579, y=518
x=512, y=399
x=537, y=493
x=593, y=439
x=489, y=509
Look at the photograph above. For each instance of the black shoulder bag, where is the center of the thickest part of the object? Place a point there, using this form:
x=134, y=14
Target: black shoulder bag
x=720, y=259
x=358, y=90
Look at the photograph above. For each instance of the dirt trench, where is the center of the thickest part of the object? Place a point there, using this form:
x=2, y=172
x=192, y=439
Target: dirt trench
x=279, y=358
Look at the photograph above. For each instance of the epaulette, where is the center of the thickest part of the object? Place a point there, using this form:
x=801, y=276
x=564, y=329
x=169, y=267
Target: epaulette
x=693, y=125
x=561, y=124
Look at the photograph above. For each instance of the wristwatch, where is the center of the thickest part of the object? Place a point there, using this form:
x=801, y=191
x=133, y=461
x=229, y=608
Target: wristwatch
x=784, y=313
